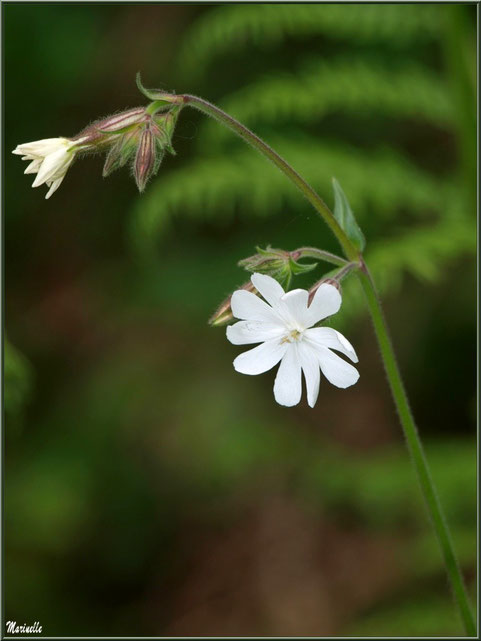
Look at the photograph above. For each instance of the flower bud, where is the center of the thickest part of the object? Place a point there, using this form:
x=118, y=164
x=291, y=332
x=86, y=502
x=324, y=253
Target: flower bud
x=166, y=122
x=278, y=263
x=121, y=151
x=106, y=131
x=121, y=121
x=266, y=261
x=223, y=314
x=145, y=158
x=324, y=281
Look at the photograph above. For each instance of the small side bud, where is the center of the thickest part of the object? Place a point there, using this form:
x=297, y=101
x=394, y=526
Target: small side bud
x=105, y=132
x=166, y=122
x=145, y=159
x=121, y=151
x=324, y=281
x=223, y=315
x=278, y=263
x=121, y=122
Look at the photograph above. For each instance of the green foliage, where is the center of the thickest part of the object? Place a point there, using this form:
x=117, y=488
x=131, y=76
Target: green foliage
x=212, y=187
x=238, y=27
x=384, y=491
x=352, y=86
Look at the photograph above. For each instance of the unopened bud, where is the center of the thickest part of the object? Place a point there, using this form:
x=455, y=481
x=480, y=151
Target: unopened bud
x=122, y=121
x=278, y=263
x=106, y=131
x=324, y=281
x=265, y=261
x=121, y=151
x=166, y=122
x=145, y=159
x=223, y=314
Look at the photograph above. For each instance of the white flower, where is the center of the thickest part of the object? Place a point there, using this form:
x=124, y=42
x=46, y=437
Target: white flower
x=50, y=159
x=284, y=326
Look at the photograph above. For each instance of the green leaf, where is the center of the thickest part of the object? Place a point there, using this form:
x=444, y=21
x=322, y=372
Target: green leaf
x=345, y=217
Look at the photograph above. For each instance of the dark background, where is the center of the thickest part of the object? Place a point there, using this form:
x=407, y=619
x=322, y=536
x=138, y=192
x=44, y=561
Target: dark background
x=149, y=488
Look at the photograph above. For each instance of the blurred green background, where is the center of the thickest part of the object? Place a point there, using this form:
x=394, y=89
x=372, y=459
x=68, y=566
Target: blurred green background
x=152, y=490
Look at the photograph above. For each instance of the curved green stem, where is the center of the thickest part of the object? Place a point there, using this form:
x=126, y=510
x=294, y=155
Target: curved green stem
x=319, y=254
x=417, y=451
x=387, y=352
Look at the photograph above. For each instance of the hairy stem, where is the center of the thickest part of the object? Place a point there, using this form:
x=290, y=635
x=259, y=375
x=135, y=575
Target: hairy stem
x=319, y=254
x=392, y=371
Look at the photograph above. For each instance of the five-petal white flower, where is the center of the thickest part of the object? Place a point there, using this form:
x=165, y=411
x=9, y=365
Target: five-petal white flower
x=50, y=158
x=284, y=326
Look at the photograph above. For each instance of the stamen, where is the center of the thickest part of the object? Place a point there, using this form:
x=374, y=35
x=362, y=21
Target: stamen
x=294, y=335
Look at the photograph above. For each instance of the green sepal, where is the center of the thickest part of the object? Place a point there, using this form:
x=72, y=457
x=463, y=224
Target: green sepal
x=151, y=94
x=112, y=161
x=300, y=268
x=268, y=251
x=345, y=217
x=158, y=157
x=121, y=152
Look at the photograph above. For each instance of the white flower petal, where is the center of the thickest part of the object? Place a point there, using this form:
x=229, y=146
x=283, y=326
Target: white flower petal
x=54, y=186
x=260, y=359
x=312, y=374
x=293, y=307
x=333, y=339
x=268, y=287
x=247, y=306
x=247, y=332
x=42, y=148
x=288, y=384
x=33, y=167
x=53, y=167
x=335, y=369
x=326, y=302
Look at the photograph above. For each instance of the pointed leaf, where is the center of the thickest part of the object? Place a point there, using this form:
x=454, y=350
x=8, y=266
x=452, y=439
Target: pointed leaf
x=345, y=217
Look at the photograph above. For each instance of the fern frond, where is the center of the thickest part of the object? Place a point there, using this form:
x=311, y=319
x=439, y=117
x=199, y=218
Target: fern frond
x=234, y=28
x=380, y=182
x=322, y=87
x=420, y=252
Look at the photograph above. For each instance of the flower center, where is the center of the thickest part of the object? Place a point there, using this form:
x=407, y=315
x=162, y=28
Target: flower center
x=293, y=336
